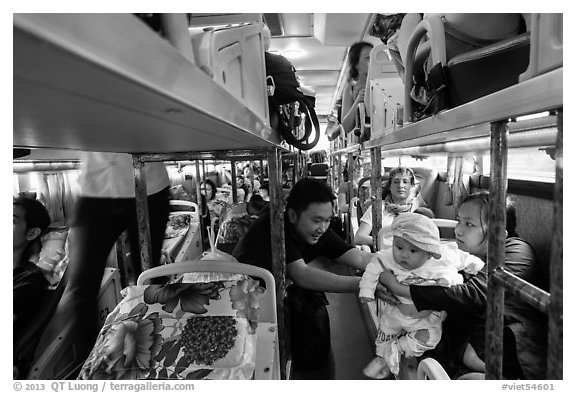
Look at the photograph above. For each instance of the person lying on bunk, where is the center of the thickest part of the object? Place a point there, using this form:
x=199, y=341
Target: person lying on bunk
x=417, y=257
x=310, y=249
x=400, y=198
x=524, y=327
x=30, y=221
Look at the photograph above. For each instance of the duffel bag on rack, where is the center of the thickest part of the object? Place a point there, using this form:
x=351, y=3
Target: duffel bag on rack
x=287, y=102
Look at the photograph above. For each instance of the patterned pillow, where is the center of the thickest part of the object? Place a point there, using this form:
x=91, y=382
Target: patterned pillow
x=53, y=258
x=179, y=331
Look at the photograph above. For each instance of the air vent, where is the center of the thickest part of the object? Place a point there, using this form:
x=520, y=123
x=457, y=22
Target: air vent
x=274, y=23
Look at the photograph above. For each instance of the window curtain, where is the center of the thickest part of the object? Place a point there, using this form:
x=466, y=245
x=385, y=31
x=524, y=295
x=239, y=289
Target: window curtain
x=59, y=192
x=458, y=188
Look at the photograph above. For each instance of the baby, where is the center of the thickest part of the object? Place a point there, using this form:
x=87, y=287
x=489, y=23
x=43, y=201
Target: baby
x=416, y=257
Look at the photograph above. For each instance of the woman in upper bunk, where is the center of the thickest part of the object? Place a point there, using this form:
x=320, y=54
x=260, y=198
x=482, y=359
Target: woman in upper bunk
x=399, y=198
x=353, y=94
x=461, y=348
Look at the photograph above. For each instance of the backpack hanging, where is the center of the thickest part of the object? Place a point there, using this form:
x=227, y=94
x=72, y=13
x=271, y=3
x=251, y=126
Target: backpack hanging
x=287, y=103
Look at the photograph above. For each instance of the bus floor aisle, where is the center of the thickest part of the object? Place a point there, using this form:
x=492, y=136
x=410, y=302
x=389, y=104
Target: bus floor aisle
x=351, y=343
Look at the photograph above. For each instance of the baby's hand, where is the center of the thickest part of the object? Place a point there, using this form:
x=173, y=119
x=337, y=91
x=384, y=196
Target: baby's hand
x=386, y=296
x=387, y=278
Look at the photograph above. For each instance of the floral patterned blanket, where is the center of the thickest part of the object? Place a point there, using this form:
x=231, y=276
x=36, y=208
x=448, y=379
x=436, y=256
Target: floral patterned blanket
x=201, y=330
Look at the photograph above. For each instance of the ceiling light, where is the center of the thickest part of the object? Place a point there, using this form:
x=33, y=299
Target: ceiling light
x=292, y=53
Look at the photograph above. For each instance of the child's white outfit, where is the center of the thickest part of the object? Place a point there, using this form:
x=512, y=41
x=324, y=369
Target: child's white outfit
x=400, y=334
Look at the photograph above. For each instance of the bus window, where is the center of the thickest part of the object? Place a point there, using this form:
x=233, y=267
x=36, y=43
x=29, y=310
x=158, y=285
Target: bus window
x=438, y=162
x=535, y=164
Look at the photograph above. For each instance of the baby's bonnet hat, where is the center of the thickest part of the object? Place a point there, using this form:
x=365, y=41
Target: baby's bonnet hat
x=419, y=230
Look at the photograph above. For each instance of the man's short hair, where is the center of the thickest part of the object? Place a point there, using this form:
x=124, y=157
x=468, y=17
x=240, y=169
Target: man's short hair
x=307, y=191
x=35, y=213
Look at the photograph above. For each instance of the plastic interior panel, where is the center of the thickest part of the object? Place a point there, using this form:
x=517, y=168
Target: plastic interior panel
x=382, y=105
x=109, y=295
x=546, y=44
x=228, y=69
x=194, y=213
x=234, y=57
x=429, y=368
x=379, y=67
x=268, y=301
x=384, y=113
x=191, y=247
x=177, y=202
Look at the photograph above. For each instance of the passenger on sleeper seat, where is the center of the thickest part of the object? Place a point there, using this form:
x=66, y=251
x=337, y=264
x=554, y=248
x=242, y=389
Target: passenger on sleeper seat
x=401, y=331
x=30, y=220
x=525, y=328
x=400, y=198
x=310, y=247
x=105, y=209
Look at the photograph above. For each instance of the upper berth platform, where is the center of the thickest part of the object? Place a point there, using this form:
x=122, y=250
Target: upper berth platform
x=107, y=82
x=472, y=120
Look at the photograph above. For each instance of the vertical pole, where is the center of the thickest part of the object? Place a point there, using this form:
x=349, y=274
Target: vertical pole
x=555, y=312
x=376, y=186
x=122, y=251
x=141, y=198
x=350, y=166
x=234, y=187
x=334, y=169
x=340, y=169
x=199, y=199
x=496, y=252
x=296, y=168
x=278, y=250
